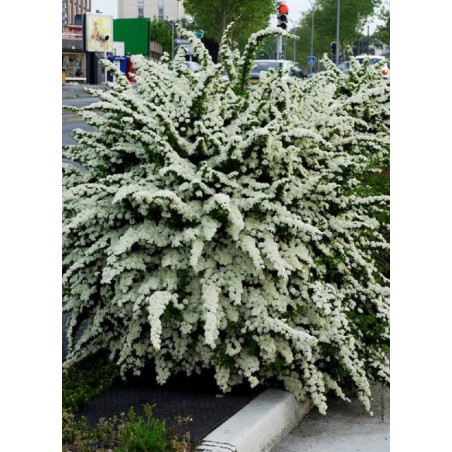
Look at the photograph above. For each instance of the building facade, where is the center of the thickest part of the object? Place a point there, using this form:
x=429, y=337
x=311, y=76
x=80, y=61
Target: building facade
x=73, y=53
x=73, y=46
x=74, y=7
x=63, y=13
x=154, y=9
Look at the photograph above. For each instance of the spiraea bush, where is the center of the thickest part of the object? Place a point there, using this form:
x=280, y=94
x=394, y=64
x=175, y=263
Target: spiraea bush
x=218, y=227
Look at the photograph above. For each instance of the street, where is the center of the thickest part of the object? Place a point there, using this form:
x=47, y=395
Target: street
x=68, y=126
x=80, y=101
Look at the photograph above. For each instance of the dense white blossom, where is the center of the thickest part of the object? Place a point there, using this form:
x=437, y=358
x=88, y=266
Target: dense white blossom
x=213, y=226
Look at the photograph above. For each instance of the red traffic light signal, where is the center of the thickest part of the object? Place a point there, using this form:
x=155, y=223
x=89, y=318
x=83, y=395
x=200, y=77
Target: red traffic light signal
x=282, y=19
x=283, y=9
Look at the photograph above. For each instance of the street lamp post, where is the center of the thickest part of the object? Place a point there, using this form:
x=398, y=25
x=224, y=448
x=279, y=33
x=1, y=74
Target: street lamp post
x=312, y=35
x=173, y=27
x=172, y=39
x=105, y=38
x=294, y=24
x=368, y=39
x=337, y=31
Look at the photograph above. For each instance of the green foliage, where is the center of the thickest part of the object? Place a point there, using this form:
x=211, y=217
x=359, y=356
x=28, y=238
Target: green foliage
x=222, y=359
x=143, y=435
x=251, y=346
x=78, y=436
x=172, y=313
x=213, y=16
x=278, y=364
x=370, y=328
x=84, y=380
x=160, y=31
x=124, y=433
x=383, y=32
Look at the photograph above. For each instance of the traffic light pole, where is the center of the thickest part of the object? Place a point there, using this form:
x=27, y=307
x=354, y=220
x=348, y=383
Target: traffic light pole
x=312, y=39
x=278, y=47
x=282, y=17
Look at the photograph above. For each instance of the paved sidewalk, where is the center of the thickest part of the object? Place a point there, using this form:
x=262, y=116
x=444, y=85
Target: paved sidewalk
x=74, y=90
x=345, y=428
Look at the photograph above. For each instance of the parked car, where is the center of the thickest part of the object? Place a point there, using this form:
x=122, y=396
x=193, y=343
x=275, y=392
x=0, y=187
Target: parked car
x=344, y=66
x=193, y=66
x=291, y=69
x=373, y=59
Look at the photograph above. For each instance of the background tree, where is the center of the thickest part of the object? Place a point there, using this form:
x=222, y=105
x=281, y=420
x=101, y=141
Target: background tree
x=213, y=16
x=382, y=33
x=160, y=31
x=353, y=17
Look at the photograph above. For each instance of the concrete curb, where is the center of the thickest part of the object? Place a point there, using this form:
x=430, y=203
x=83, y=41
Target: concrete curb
x=259, y=426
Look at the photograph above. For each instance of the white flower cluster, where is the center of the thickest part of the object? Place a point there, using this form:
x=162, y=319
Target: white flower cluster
x=239, y=230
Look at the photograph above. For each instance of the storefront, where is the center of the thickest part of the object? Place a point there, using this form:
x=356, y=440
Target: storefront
x=73, y=54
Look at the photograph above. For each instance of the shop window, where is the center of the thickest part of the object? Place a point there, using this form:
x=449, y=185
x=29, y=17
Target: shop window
x=73, y=63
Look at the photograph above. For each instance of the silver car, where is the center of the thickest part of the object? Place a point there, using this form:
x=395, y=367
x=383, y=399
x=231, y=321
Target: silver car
x=291, y=69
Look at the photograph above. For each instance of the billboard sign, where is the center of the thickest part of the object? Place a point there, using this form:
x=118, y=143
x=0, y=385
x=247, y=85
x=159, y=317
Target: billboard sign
x=72, y=32
x=135, y=33
x=97, y=25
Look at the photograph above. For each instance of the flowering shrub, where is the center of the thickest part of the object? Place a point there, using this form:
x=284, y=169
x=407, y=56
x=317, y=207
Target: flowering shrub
x=220, y=227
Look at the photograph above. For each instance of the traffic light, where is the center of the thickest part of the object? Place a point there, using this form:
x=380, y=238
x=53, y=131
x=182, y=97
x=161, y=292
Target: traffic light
x=333, y=50
x=282, y=15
